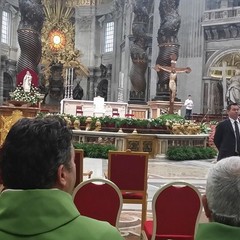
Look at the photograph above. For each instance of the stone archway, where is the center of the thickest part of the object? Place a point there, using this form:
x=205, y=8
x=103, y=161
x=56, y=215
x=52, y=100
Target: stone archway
x=220, y=67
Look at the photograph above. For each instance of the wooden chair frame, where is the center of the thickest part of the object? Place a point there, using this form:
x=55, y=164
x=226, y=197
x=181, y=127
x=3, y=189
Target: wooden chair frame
x=108, y=182
x=79, y=155
x=127, y=174
x=155, y=197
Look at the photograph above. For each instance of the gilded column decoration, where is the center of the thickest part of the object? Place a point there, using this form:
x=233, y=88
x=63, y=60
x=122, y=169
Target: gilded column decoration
x=6, y=123
x=138, y=51
x=29, y=34
x=168, y=44
x=59, y=56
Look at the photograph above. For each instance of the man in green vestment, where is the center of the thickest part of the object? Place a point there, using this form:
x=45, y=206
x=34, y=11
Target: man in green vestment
x=38, y=173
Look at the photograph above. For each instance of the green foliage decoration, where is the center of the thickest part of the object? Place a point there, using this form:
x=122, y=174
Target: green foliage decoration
x=205, y=128
x=30, y=97
x=163, y=122
x=171, y=118
x=95, y=150
x=179, y=153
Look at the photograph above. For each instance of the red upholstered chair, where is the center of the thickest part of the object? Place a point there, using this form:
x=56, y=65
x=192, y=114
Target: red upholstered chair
x=79, y=111
x=100, y=199
x=79, y=155
x=115, y=112
x=128, y=170
x=176, y=210
x=129, y=115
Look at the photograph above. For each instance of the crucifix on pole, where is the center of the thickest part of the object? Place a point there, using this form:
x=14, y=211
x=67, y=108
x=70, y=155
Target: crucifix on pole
x=172, y=70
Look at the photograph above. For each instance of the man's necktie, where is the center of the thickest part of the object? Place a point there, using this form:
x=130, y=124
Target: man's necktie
x=237, y=137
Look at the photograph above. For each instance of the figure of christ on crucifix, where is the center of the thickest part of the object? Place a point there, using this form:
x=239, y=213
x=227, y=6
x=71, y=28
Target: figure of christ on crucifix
x=173, y=70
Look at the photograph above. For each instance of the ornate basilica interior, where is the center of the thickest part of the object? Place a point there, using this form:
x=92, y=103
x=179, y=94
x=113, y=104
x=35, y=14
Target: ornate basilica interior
x=81, y=49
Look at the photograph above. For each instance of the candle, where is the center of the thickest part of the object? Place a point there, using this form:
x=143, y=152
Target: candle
x=69, y=80
x=66, y=83
x=71, y=87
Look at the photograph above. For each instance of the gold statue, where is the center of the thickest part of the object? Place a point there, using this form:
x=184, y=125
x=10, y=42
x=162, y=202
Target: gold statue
x=97, y=125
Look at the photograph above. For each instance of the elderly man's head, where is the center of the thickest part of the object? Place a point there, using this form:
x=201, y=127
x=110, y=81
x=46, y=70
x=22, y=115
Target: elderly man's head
x=222, y=199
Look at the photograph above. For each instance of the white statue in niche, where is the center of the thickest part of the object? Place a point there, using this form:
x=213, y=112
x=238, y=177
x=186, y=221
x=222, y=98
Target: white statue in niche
x=233, y=91
x=27, y=81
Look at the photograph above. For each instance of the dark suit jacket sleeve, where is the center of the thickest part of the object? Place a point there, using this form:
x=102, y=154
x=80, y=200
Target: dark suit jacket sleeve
x=218, y=134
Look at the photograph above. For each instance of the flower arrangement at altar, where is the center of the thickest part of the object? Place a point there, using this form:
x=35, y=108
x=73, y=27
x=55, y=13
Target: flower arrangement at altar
x=32, y=97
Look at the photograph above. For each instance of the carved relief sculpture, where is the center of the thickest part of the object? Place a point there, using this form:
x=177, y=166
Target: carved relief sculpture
x=29, y=34
x=55, y=89
x=168, y=44
x=138, y=50
x=78, y=92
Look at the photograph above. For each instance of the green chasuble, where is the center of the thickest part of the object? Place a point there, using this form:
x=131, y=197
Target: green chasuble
x=217, y=231
x=48, y=215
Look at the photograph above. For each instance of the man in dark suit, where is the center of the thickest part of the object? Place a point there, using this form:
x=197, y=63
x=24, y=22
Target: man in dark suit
x=226, y=137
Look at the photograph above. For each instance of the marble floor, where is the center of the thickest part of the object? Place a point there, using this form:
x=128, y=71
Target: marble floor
x=160, y=172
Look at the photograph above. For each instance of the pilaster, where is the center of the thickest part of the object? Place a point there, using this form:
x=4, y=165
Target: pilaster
x=2, y=3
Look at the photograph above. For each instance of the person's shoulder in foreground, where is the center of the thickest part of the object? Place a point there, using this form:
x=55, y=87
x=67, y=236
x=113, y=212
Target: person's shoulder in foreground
x=221, y=202
x=38, y=172
x=217, y=231
x=48, y=214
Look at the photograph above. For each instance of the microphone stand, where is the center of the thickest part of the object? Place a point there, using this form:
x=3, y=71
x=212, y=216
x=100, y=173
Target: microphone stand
x=205, y=115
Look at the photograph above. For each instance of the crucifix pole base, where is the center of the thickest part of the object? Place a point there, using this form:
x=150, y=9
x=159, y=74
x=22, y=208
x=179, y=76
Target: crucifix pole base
x=171, y=107
x=157, y=108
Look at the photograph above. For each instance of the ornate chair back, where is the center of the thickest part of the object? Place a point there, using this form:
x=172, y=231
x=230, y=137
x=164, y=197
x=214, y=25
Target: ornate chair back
x=115, y=112
x=176, y=210
x=128, y=170
x=100, y=199
x=79, y=110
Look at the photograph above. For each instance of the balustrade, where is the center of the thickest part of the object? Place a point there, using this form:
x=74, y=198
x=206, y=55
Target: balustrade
x=155, y=144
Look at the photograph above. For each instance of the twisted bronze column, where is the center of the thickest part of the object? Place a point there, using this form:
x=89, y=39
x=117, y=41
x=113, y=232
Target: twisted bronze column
x=168, y=44
x=138, y=51
x=29, y=34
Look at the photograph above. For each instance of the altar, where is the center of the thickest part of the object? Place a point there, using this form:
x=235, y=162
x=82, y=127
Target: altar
x=89, y=108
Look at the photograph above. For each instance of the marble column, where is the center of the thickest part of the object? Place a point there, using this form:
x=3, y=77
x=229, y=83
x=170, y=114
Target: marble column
x=92, y=88
x=29, y=34
x=138, y=50
x=2, y=3
x=168, y=44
